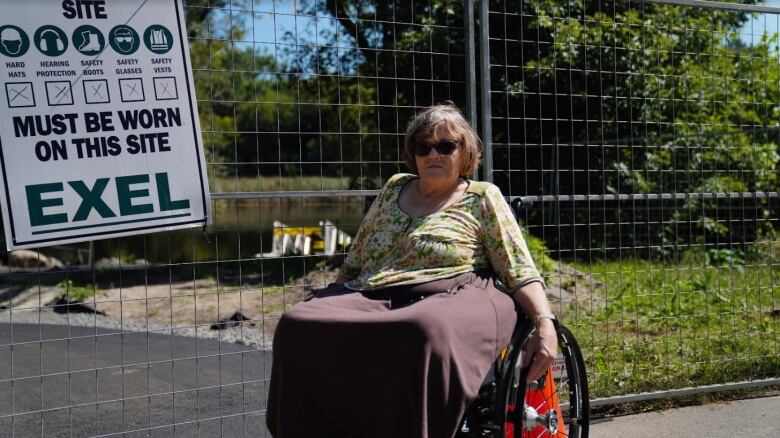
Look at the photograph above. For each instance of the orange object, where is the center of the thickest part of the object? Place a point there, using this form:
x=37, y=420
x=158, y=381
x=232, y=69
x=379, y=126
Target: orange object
x=542, y=400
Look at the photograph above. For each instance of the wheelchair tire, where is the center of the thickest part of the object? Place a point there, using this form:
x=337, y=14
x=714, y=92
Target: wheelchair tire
x=538, y=416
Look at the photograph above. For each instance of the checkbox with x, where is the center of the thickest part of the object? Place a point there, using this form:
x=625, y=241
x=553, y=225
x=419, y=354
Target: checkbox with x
x=165, y=88
x=96, y=91
x=59, y=93
x=131, y=90
x=19, y=94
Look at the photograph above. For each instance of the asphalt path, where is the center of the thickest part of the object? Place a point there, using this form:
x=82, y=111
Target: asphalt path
x=69, y=381
x=60, y=381
x=755, y=418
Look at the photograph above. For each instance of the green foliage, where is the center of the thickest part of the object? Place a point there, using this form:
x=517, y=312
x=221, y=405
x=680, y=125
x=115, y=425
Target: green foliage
x=540, y=255
x=681, y=105
x=671, y=325
x=321, y=100
x=274, y=184
x=657, y=98
x=725, y=257
x=75, y=292
x=237, y=99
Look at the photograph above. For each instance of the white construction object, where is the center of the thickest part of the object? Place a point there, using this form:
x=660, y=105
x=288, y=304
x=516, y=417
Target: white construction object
x=333, y=237
x=325, y=239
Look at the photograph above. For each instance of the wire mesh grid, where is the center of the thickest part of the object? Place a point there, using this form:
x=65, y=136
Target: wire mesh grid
x=644, y=133
x=169, y=334
x=647, y=132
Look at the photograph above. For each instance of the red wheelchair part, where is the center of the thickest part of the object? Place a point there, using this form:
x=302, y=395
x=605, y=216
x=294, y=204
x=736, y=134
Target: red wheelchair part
x=542, y=400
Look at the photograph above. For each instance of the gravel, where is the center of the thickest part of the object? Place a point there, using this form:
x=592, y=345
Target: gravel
x=246, y=333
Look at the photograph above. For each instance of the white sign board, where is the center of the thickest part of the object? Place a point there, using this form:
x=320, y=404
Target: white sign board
x=558, y=367
x=99, y=132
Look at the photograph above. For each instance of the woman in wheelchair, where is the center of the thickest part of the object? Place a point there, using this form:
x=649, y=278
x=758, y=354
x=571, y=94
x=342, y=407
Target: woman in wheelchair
x=399, y=345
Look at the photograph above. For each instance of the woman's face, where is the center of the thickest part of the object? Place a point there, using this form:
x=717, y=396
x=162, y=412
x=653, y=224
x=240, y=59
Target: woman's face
x=437, y=167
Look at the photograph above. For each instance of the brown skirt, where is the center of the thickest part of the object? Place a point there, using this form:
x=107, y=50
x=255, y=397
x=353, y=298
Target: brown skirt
x=400, y=362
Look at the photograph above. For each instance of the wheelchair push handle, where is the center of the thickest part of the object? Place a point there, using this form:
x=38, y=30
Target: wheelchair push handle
x=518, y=204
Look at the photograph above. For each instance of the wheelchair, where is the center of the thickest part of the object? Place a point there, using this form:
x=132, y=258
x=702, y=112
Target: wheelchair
x=554, y=406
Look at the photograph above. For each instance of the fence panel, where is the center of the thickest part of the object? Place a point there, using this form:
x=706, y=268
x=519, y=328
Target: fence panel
x=303, y=105
x=647, y=133
x=644, y=133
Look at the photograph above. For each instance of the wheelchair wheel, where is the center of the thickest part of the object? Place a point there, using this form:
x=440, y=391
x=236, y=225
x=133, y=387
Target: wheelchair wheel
x=556, y=405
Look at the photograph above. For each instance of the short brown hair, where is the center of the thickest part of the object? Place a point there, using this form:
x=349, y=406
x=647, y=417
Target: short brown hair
x=424, y=125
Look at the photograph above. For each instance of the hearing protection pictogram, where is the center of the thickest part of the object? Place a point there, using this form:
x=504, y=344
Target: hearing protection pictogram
x=50, y=40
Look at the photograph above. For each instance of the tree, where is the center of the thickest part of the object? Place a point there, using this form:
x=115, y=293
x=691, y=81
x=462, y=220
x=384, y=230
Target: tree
x=609, y=98
x=371, y=66
x=641, y=99
x=241, y=100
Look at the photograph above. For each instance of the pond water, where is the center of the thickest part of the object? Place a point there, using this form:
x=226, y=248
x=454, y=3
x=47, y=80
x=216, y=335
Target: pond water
x=240, y=229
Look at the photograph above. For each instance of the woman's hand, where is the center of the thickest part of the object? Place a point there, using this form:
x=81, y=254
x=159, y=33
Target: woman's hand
x=543, y=345
x=541, y=350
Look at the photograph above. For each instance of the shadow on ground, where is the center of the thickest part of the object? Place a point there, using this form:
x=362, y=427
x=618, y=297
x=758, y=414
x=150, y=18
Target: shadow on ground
x=79, y=381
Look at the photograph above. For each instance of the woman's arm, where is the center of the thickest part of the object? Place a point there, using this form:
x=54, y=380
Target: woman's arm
x=512, y=262
x=543, y=346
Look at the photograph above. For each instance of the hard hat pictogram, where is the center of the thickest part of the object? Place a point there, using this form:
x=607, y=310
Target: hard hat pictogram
x=13, y=41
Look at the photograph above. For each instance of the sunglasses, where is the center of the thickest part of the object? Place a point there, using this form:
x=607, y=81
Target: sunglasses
x=444, y=147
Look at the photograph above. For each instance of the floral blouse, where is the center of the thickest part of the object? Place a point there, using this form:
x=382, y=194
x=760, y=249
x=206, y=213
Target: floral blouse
x=478, y=231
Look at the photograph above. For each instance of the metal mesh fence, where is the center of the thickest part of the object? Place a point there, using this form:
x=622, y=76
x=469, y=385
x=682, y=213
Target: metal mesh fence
x=648, y=133
x=303, y=105
x=644, y=133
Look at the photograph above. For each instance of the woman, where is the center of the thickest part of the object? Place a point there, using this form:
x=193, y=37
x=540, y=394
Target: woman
x=400, y=344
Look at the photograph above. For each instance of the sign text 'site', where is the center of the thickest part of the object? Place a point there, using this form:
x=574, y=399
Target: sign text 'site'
x=84, y=9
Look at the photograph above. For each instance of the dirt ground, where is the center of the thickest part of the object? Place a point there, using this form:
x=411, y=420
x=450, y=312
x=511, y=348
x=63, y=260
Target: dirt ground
x=205, y=302
x=179, y=304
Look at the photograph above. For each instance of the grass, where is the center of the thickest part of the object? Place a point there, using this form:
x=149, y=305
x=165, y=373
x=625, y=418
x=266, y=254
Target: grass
x=660, y=325
x=74, y=292
x=276, y=183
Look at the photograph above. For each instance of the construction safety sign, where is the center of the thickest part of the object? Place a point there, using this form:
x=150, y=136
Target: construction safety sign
x=99, y=131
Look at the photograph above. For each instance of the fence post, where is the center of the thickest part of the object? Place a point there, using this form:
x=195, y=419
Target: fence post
x=471, y=69
x=484, y=72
